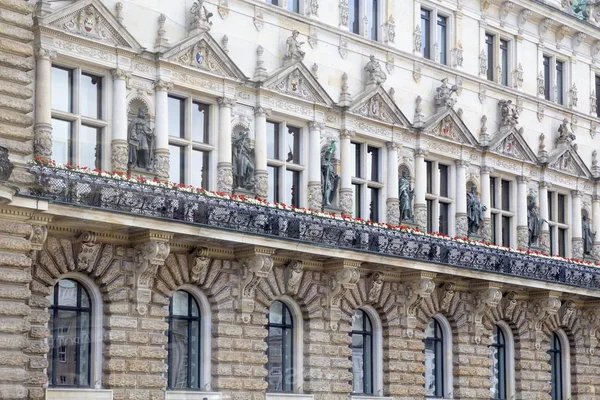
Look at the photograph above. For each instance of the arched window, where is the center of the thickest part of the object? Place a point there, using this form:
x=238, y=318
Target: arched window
x=499, y=377
x=280, y=348
x=556, y=363
x=362, y=353
x=70, y=327
x=434, y=359
x=184, y=348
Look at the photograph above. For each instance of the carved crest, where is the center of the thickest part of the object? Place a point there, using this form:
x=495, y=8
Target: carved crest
x=511, y=144
x=448, y=125
x=378, y=104
x=297, y=81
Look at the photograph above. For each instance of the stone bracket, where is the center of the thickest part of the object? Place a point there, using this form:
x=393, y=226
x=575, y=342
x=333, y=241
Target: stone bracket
x=294, y=271
x=375, y=286
x=344, y=276
x=545, y=305
x=199, y=261
x=419, y=286
x=256, y=264
x=487, y=296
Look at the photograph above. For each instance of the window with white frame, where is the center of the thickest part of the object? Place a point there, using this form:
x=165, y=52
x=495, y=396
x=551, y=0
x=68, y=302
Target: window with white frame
x=502, y=353
x=284, y=163
x=438, y=197
x=78, y=116
x=560, y=380
x=280, y=348
x=189, y=141
x=502, y=211
x=435, y=32
x=290, y=5
x=558, y=223
x=497, y=53
x=366, y=181
x=438, y=358
x=367, y=366
x=364, y=18
x=554, y=78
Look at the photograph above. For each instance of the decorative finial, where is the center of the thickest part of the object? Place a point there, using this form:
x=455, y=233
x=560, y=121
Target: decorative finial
x=345, y=97
x=162, y=43
x=119, y=13
x=260, y=72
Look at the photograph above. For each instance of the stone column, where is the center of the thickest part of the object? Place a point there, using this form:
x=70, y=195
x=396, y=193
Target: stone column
x=42, y=143
x=161, y=154
x=224, y=171
x=392, y=203
x=119, y=156
x=486, y=202
x=522, y=230
x=346, y=188
x=420, y=207
x=260, y=151
x=543, y=202
x=462, y=224
x=576, y=233
x=315, y=192
x=596, y=224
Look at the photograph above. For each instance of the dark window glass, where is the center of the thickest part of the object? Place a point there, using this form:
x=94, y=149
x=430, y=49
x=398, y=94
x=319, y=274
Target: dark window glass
x=292, y=188
x=373, y=163
x=62, y=151
x=294, y=6
x=562, y=203
x=597, y=96
x=71, y=332
x=505, y=195
x=434, y=359
x=506, y=228
x=356, y=200
x=176, y=116
x=444, y=217
x=274, y=2
x=90, y=147
x=489, y=46
x=280, y=343
x=273, y=194
x=426, y=33
x=62, y=89
x=443, y=179
x=354, y=16
x=292, y=145
x=355, y=148
x=493, y=192
x=272, y=140
x=374, y=205
x=498, y=348
x=429, y=215
x=504, y=61
x=200, y=168
x=429, y=165
x=91, y=96
x=547, y=77
x=552, y=245
x=556, y=364
x=559, y=82
x=362, y=353
x=200, y=122
x=551, y=206
x=442, y=38
x=373, y=18
x=494, y=228
x=176, y=164
x=562, y=242
x=184, y=347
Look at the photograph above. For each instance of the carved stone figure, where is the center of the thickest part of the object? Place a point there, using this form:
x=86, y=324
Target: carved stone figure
x=329, y=178
x=200, y=16
x=243, y=162
x=588, y=235
x=443, y=98
x=534, y=222
x=6, y=167
x=474, y=211
x=405, y=196
x=374, y=73
x=565, y=135
x=509, y=113
x=140, y=137
x=293, y=51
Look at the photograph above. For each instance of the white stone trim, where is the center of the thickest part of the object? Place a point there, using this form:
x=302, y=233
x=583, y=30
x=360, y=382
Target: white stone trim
x=205, y=338
x=298, y=321
x=448, y=356
x=377, y=351
x=183, y=395
x=79, y=394
x=509, y=343
x=565, y=347
x=288, y=396
x=96, y=339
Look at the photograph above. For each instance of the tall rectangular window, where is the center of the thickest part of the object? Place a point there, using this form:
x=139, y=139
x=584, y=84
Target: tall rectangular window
x=354, y=16
x=504, y=62
x=442, y=38
x=294, y=6
x=366, y=180
x=374, y=204
x=502, y=212
x=489, y=46
x=438, y=197
x=372, y=18
x=176, y=116
x=547, y=81
x=444, y=179
x=558, y=223
x=284, y=163
x=426, y=33
x=560, y=82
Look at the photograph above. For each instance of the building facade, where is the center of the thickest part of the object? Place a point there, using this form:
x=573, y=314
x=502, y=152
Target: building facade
x=327, y=138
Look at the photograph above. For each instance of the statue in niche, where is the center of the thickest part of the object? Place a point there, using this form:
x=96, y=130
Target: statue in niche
x=243, y=161
x=405, y=196
x=565, y=135
x=140, y=138
x=474, y=211
x=443, y=97
x=509, y=113
x=588, y=235
x=329, y=178
x=374, y=73
x=293, y=49
x=534, y=222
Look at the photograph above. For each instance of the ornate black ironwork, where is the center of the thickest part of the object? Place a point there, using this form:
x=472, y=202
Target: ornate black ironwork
x=80, y=189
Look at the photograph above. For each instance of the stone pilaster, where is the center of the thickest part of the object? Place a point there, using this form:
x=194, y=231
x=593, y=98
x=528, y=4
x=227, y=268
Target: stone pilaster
x=596, y=225
x=544, y=240
x=392, y=202
x=119, y=154
x=486, y=202
x=345, y=202
x=224, y=169
x=260, y=151
x=522, y=229
x=462, y=224
x=42, y=141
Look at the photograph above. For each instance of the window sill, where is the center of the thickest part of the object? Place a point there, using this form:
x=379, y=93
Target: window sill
x=369, y=397
x=78, y=394
x=191, y=395
x=289, y=396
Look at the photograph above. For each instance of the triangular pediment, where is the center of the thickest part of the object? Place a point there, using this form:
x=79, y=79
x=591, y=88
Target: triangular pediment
x=565, y=159
x=448, y=125
x=297, y=81
x=204, y=53
x=91, y=19
x=511, y=144
x=378, y=104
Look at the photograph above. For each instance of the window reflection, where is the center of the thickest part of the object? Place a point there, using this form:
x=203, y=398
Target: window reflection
x=362, y=353
x=280, y=355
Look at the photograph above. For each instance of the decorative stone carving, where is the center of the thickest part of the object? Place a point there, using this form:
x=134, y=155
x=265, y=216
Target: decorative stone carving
x=87, y=249
x=294, y=273
x=375, y=76
x=312, y=7
x=482, y=63
x=225, y=43
x=198, y=262
x=543, y=27
x=419, y=119
x=313, y=36
x=345, y=97
x=458, y=55
x=540, y=112
x=223, y=9
x=344, y=14
x=341, y=281
x=524, y=15
x=505, y=9
x=375, y=286
x=119, y=12
x=518, y=76
x=405, y=196
x=242, y=161
x=390, y=29
x=509, y=114
x=574, y=96
x=6, y=167
x=485, y=300
x=149, y=256
x=260, y=72
x=416, y=72
x=418, y=289
x=522, y=237
x=509, y=304
x=161, y=163
x=315, y=70
x=343, y=47
x=375, y=108
x=345, y=202
x=421, y=216
x=389, y=65
x=561, y=32
x=293, y=51
x=443, y=98
x=482, y=95
x=417, y=39
x=119, y=156
x=224, y=178
x=140, y=139
x=565, y=134
x=595, y=50
x=162, y=43
x=474, y=211
x=577, y=40
x=200, y=17
x=587, y=235
x=446, y=294
x=89, y=22
x=259, y=19
x=543, y=308
x=255, y=268
x=593, y=103
x=329, y=178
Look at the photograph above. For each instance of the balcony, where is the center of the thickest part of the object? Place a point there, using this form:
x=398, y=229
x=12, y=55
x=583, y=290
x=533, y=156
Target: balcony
x=81, y=189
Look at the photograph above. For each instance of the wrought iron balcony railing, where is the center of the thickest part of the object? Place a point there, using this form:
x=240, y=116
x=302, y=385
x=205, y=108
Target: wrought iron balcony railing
x=80, y=189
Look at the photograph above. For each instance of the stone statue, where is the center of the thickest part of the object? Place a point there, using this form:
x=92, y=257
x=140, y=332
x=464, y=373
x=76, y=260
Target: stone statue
x=374, y=73
x=6, y=166
x=588, y=235
x=140, y=137
x=534, y=222
x=329, y=178
x=405, y=196
x=200, y=14
x=509, y=113
x=292, y=48
x=243, y=162
x=565, y=135
x=474, y=211
x=443, y=98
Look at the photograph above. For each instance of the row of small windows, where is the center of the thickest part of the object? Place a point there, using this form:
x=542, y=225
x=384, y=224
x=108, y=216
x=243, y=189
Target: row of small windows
x=70, y=324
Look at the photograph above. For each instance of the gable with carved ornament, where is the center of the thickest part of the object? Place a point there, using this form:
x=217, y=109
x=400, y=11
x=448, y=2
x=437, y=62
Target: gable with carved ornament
x=204, y=56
